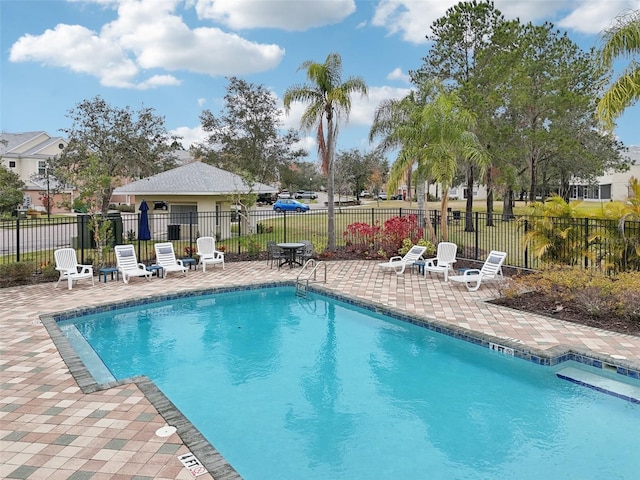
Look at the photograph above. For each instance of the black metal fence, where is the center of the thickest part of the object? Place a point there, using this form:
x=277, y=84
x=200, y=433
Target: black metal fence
x=588, y=242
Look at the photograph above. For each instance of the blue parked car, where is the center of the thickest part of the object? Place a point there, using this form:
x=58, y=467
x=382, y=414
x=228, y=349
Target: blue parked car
x=289, y=205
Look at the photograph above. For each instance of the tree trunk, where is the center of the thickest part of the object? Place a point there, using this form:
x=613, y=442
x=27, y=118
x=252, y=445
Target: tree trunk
x=468, y=215
x=489, y=197
x=331, y=221
x=443, y=214
x=507, y=205
x=533, y=164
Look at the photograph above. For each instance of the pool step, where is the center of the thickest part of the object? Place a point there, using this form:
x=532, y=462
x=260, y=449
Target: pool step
x=602, y=384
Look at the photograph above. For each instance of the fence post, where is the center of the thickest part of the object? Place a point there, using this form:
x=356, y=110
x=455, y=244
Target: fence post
x=81, y=235
x=477, y=236
x=586, y=241
x=191, y=233
x=17, y=239
x=526, y=248
x=284, y=226
x=373, y=217
x=239, y=235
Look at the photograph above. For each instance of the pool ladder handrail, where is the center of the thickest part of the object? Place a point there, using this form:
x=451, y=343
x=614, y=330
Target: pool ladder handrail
x=302, y=285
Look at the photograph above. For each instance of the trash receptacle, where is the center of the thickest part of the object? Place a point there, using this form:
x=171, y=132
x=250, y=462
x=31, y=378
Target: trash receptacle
x=116, y=227
x=173, y=232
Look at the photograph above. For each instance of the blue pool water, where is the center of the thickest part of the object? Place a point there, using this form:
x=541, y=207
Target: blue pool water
x=291, y=388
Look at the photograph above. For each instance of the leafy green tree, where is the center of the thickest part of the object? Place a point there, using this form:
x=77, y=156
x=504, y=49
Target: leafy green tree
x=11, y=187
x=544, y=103
x=455, y=58
x=94, y=183
x=622, y=40
x=356, y=168
x=438, y=135
x=125, y=143
x=329, y=100
x=246, y=138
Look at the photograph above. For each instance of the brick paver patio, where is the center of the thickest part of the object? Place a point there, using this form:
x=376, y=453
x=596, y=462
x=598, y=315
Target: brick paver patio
x=50, y=430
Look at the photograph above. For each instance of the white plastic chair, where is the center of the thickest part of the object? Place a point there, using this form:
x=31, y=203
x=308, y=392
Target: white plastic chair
x=208, y=253
x=443, y=263
x=128, y=265
x=166, y=258
x=69, y=268
x=398, y=264
x=491, y=270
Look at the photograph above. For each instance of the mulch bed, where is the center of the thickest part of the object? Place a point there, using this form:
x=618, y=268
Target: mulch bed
x=538, y=303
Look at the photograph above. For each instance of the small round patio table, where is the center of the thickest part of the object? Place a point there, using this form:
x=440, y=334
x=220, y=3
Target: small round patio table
x=291, y=252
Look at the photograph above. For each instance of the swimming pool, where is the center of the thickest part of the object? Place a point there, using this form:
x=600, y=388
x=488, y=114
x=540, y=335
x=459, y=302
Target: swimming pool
x=316, y=388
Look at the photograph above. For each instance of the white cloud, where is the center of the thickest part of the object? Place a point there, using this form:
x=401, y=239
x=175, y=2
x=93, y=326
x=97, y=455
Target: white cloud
x=282, y=14
x=412, y=19
x=190, y=135
x=594, y=16
x=398, y=74
x=362, y=108
x=146, y=35
x=202, y=101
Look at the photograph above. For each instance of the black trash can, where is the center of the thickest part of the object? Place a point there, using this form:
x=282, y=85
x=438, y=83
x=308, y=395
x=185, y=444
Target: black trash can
x=173, y=232
x=116, y=227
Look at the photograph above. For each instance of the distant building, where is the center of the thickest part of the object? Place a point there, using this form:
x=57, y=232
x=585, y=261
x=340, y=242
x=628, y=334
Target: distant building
x=26, y=154
x=611, y=186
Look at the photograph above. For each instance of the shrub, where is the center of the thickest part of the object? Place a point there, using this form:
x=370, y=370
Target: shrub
x=588, y=291
x=18, y=273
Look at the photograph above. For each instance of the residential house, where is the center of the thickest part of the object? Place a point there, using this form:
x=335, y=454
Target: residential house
x=194, y=187
x=26, y=154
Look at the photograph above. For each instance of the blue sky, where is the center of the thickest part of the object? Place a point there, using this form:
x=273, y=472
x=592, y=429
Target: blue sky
x=174, y=55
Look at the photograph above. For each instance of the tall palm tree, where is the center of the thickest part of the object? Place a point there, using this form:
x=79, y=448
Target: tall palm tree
x=438, y=135
x=329, y=100
x=621, y=40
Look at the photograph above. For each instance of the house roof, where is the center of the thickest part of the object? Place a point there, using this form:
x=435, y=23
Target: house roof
x=194, y=178
x=15, y=143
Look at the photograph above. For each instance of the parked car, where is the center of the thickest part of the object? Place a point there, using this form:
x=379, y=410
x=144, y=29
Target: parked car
x=306, y=194
x=365, y=194
x=285, y=194
x=382, y=196
x=265, y=199
x=396, y=197
x=289, y=205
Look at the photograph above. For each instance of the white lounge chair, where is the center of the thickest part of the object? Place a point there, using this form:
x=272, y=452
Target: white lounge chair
x=398, y=263
x=443, y=263
x=128, y=265
x=69, y=268
x=208, y=253
x=491, y=270
x=166, y=258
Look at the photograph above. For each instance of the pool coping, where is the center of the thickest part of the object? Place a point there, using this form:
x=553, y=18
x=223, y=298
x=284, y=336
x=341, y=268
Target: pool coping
x=205, y=451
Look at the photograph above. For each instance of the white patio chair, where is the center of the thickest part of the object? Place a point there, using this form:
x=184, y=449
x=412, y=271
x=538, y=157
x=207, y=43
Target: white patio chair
x=443, y=263
x=398, y=263
x=491, y=270
x=128, y=265
x=208, y=253
x=69, y=268
x=166, y=258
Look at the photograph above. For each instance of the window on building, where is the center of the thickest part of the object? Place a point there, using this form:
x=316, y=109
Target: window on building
x=42, y=168
x=12, y=164
x=182, y=214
